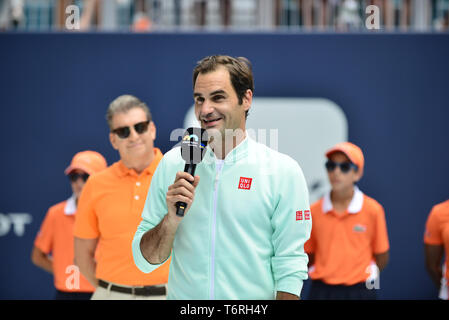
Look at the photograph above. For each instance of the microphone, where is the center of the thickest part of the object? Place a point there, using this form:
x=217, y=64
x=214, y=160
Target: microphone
x=193, y=149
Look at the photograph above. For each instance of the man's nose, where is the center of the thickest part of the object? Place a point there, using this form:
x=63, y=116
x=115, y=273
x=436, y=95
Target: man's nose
x=133, y=135
x=206, y=108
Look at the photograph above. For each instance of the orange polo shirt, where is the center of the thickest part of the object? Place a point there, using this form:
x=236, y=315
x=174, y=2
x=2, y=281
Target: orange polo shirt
x=437, y=229
x=56, y=237
x=344, y=244
x=110, y=208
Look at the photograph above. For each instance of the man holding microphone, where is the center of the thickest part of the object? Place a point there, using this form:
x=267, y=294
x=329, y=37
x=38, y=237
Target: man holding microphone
x=247, y=216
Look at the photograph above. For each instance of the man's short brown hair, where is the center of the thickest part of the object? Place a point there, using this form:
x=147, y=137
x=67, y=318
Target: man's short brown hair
x=239, y=69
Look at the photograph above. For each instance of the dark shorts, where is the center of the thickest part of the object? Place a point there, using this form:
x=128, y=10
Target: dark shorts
x=323, y=291
x=61, y=295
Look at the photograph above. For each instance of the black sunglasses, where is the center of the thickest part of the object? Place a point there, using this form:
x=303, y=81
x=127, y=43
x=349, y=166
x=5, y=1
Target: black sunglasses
x=344, y=166
x=124, y=132
x=75, y=176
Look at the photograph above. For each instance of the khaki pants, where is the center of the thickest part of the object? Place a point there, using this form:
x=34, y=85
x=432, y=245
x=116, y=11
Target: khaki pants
x=106, y=294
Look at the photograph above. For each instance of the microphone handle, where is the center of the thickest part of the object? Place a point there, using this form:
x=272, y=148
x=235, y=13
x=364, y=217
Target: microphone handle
x=181, y=206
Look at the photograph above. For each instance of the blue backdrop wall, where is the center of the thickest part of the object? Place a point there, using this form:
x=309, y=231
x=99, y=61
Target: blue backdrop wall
x=55, y=88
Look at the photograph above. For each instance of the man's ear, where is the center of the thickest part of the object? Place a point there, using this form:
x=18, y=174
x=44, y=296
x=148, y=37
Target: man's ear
x=152, y=128
x=113, y=140
x=247, y=100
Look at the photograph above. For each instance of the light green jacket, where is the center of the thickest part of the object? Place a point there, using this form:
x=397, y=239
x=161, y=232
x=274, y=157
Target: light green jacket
x=241, y=239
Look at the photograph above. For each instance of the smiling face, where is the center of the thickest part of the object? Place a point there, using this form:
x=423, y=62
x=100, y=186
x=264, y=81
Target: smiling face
x=136, y=146
x=216, y=103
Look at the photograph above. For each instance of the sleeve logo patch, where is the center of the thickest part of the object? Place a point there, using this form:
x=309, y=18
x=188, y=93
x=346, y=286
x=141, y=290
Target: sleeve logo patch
x=302, y=215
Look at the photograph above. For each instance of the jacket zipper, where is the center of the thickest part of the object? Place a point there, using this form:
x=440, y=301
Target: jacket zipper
x=218, y=168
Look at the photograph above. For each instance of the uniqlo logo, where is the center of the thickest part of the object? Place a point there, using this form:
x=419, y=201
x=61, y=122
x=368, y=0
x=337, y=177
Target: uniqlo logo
x=300, y=215
x=307, y=215
x=245, y=183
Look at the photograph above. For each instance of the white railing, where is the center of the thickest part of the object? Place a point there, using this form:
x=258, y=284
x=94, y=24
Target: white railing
x=255, y=15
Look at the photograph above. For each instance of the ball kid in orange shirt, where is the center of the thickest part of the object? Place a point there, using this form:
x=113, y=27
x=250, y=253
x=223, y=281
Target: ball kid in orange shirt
x=348, y=246
x=53, y=246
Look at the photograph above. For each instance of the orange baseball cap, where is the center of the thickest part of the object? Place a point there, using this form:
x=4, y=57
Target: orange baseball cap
x=353, y=152
x=88, y=161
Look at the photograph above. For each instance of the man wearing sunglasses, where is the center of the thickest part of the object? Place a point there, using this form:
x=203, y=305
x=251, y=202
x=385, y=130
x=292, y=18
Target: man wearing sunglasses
x=111, y=204
x=349, y=241
x=55, y=236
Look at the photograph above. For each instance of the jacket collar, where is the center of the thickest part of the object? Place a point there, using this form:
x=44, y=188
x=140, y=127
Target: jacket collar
x=237, y=153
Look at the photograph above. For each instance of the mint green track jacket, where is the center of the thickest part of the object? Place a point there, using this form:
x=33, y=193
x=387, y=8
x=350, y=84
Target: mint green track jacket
x=242, y=237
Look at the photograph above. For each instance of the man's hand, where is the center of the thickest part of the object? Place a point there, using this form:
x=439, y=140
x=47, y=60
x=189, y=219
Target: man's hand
x=157, y=243
x=85, y=258
x=182, y=189
x=41, y=259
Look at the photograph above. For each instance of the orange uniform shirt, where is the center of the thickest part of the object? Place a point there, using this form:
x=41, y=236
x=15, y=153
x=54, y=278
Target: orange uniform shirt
x=344, y=244
x=110, y=208
x=437, y=229
x=56, y=237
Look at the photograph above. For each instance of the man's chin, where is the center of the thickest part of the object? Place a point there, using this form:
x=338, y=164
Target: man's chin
x=215, y=133
x=136, y=148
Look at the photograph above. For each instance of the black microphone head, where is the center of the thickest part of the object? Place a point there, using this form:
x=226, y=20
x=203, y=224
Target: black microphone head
x=193, y=145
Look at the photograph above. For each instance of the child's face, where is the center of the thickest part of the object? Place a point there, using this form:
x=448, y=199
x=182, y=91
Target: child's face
x=342, y=180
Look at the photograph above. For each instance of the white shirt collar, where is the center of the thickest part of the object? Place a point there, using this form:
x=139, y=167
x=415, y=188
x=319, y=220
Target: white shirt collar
x=354, y=206
x=70, y=206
